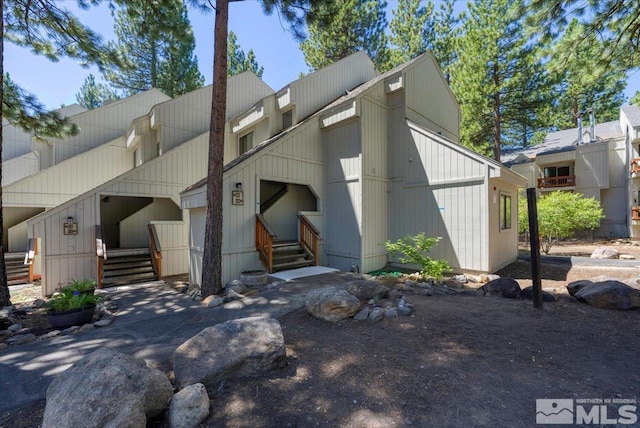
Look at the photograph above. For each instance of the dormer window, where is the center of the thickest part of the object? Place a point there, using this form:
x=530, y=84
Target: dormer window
x=287, y=119
x=246, y=143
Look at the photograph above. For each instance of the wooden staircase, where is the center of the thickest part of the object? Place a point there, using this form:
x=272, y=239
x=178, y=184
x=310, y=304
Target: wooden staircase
x=290, y=255
x=17, y=271
x=127, y=267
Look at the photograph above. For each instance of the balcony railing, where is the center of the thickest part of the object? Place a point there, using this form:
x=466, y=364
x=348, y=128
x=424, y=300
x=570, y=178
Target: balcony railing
x=635, y=213
x=550, y=182
x=635, y=165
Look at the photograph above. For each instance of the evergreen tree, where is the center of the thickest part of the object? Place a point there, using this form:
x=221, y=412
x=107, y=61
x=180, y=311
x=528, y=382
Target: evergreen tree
x=493, y=79
x=347, y=26
x=93, y=95
x=635, y=100
x=442, y=38
x=408, y=27
x=238, y=61
x=580, y=80
x=154, y=56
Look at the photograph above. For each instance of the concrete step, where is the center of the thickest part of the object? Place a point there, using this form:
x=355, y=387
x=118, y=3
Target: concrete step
x=292, y=265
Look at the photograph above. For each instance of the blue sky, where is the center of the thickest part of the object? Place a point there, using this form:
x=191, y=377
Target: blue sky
x=57, y=83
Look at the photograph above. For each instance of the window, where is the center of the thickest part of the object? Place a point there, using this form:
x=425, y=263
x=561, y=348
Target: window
x=557, y=171
x=246, y=142
x=287, y=119
x=505, y=211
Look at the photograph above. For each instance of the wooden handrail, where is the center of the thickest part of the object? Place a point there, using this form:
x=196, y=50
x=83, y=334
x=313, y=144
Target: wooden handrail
x=101, y=255
x=309, y=237
x=264, y=242
x=563, y=181
x=155, y=250
x=635, y=165
x=635, y=213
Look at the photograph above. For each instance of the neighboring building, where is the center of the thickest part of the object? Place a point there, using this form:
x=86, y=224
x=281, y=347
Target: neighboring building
x=599, y=160
x=164, y=149
x=380, y=162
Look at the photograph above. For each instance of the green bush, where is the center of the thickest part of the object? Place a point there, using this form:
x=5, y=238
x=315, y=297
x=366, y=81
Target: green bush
x=69, y=299
x=81, y=285
x=413, y=250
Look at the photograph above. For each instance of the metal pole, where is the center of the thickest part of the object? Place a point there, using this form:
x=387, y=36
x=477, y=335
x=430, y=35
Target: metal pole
x=535, y=247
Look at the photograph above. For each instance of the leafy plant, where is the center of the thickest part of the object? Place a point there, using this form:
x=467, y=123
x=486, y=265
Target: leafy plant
x=560, y=216
x=69, y=299
x=413, y=250
x=81, y=285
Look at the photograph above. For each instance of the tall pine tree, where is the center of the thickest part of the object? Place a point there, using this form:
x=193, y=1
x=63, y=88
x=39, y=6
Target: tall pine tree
x=93, y=94
x=442, y=37
x=238, y=61
x=581, y=81
x=408, y=26
x=345, y=27
x=153, y=56
x=492, y=79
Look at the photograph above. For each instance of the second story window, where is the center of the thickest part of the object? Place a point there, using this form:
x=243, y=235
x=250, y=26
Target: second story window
x=287, y=119
x=246, y=143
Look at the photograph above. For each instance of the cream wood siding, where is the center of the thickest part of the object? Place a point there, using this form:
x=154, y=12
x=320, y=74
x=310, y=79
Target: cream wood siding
x=18, y=238
x=318, y=89
x=615, y=198
x=189, y=115
x=163, y=177
x=133, y=229
x=443, y=195
x=528, y=171
x=70, y=178
x=15, y=142
x=592, y=166
x=104, y=124
x=279, y=216
x=503, y=247
x=20, y=167
x=173, y=237
x=344, y=195
x=375, y=199
x=197, y=220
x=429, y=101
x=555, y=158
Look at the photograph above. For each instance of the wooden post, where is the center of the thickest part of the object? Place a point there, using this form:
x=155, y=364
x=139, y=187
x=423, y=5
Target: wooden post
x=535, y=247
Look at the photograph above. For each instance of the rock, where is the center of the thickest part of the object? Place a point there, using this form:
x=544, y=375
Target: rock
x=460, y=278
x=234, y=295
x=410, y=284
x=609, y=295
x=189, y=407
x=437, y=290
x=527, y=293
x=14, y=328
x=362, y=315
x=3, y=345
x=106, y=388
x=605, y=253
x=627, y=257
x=230, y=349
x=104, y=322
x=404, y=308
x=213, y=301
x=451, y=283
x=236, y=285
x=331, y=304
x=49, y=335
x=634, y=282
x=71, y=330
x=38, y=303
x=390, y=313
x=575, y=286
x=395, y=294
x=86, y=327
x=503, y=287
x=376, y=314
x=21, y=339
x=365, y=290
x=492, y=277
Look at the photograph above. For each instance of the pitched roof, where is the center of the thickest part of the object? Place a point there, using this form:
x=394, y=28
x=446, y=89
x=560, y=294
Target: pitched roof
x=562, y=141
x=632, y=113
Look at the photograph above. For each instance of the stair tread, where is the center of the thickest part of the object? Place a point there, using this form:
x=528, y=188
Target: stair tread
x=291, y=265
x=127, y=265
x=127, y=259
x=130, y=279
x=125, y=272
x=292, y=257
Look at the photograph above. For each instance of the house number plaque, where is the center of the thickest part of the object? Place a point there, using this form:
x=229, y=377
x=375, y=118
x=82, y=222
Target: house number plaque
x=237, y=197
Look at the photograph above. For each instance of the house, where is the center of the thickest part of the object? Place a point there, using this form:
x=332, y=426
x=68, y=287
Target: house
x=378, y=162
x=165, y=150
x=600, y=160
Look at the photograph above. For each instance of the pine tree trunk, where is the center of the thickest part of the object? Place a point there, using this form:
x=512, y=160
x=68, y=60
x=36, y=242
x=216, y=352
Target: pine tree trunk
x=5, y=298
x=212, y=257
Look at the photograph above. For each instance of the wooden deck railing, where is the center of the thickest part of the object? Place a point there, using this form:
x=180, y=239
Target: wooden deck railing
x=635, y=165
x=155, y=251
x=101, y=255
x=635, y=213
x=309, y=237
x=30, y=255
x=264, y=242
x=564, y=181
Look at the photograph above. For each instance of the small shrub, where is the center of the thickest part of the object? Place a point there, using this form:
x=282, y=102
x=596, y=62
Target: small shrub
x=413, y=250
x=81, y=285
x=69, y=299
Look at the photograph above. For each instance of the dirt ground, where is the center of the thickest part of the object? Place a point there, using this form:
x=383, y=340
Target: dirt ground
x=458, y=361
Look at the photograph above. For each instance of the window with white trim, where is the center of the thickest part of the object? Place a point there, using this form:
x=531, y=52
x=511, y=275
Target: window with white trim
x=245, y=143
x=287, y=119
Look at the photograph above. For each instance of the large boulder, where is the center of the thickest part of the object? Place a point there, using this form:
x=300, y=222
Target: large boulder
x=231, y=349
x=189, y=407
x=503, y=287
x=365, y=290
x=527, y=293
x=605, y=253
x=575, y=286
x=106, y=388
x=609, y=295
x=331, y=304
